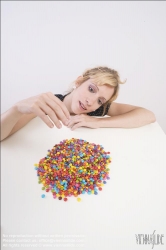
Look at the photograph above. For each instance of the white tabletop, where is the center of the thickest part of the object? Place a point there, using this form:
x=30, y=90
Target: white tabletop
x=132, y=202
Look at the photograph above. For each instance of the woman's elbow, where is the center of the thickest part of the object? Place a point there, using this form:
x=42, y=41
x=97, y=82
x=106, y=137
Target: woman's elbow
x=152, y=117
x=149, y=116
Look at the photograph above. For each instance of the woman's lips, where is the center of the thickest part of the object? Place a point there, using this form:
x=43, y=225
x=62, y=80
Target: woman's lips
x=82, y=106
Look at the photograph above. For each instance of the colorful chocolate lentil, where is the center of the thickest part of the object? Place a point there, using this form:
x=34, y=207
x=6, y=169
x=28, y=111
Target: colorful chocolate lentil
x=72, y=168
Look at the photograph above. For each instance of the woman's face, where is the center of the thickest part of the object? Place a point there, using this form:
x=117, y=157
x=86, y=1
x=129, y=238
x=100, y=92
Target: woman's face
x=89, y=96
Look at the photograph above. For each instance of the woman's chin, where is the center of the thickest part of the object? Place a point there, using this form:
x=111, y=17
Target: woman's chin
x=76, y=111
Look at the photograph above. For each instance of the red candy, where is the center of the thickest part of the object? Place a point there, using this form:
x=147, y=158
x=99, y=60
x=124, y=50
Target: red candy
x=73, y=167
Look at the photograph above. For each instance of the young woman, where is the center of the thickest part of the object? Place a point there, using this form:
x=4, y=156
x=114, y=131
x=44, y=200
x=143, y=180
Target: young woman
x=93, y=95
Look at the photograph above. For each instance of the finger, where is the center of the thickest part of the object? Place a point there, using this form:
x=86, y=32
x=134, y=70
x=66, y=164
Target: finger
x=58, y=110
x=52, y=115
x=43, y=116
x=48, y=106
x=74, y=119
x=71, y=123
x=50, y=119
x=60, y=103
x=77, y=125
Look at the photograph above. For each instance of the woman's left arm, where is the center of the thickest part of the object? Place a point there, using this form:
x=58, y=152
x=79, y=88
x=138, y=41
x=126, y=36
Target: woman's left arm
x=120, y=116
x=127, y=116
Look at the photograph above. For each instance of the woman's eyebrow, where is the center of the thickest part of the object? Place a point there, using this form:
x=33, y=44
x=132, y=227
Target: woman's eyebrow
x=95, y=86
x=98, y=90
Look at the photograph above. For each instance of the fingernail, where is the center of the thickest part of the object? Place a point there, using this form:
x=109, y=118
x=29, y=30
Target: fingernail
x=66, y=122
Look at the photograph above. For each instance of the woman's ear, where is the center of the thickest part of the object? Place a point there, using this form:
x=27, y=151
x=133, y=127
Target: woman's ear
x=78, y=81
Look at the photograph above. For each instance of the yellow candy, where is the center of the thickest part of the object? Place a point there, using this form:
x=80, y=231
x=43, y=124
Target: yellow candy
x=78, y=199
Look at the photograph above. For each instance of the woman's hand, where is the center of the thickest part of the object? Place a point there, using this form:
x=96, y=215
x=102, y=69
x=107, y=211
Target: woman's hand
x=83, y=120
x=45, y=105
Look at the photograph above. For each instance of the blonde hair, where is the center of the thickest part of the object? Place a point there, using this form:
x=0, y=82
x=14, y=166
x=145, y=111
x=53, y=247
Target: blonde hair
x=102, y=76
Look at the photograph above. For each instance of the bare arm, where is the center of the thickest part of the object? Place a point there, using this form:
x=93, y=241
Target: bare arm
x=45, y=106
x=121, y=116
x=127, y=116
x=8, y=121
x=22, y=122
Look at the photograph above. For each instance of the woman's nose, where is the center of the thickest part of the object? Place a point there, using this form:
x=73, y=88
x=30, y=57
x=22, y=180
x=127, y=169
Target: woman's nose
x=89, y=101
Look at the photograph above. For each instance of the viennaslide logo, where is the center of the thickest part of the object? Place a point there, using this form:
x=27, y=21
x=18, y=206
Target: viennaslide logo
x=147, y=239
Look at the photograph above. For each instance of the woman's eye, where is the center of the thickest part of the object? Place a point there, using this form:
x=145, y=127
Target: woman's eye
x=91, y=89
x=100, y=102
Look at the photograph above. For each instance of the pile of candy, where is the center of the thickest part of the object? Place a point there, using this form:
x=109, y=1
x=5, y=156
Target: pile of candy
x=72, y=168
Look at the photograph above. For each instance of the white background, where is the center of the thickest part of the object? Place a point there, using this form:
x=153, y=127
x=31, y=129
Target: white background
x=46, y=45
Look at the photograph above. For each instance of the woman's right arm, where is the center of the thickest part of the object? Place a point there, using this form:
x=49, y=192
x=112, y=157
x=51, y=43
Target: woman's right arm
x=12, y=121
x=43, y=105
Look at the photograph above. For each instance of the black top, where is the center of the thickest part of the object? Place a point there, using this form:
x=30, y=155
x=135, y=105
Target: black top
x=97, y=112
